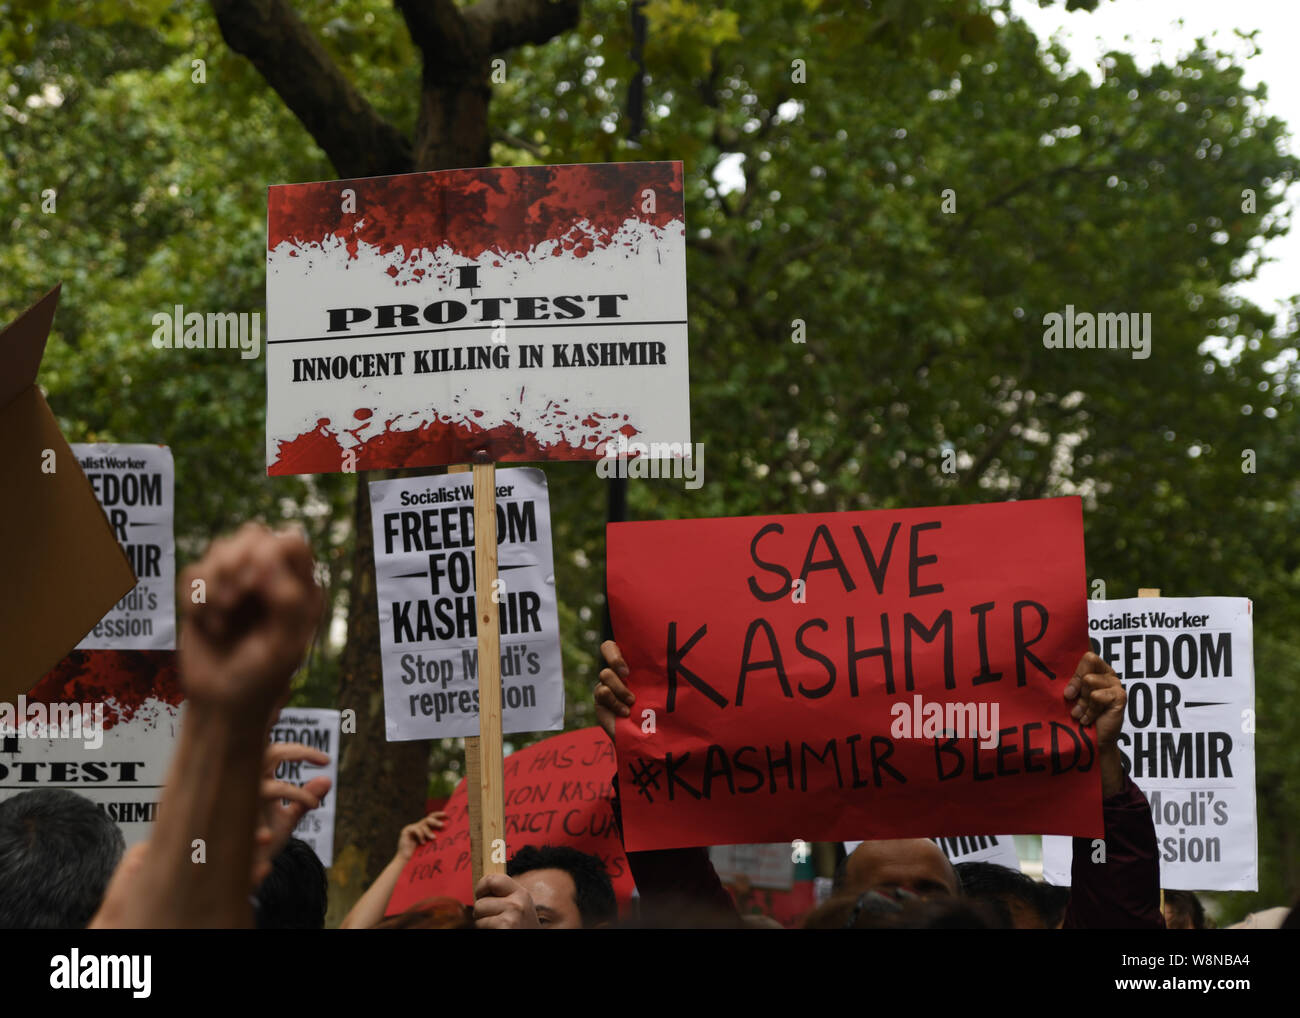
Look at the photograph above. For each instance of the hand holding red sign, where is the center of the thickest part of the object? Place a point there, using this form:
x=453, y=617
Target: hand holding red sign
x=613, y=698
x=416, y=834
x=501, y=904
x=773, y=675
x=557, y=792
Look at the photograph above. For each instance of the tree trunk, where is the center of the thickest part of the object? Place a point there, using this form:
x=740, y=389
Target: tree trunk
x=382, y=786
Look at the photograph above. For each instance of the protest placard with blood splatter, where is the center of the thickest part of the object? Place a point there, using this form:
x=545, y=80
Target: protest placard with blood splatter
x=529, y=313
x=101, y=723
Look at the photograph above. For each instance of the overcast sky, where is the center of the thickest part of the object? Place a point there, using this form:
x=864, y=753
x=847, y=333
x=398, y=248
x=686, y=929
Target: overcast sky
x=1162, y=30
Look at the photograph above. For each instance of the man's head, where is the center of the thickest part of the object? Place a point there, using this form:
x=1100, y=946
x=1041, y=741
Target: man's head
x=295, y=893
x=570, y=889
x=57, y=853
x=916, y=865
x=1183, y=911
x=1053, y=902
x=1015, y=897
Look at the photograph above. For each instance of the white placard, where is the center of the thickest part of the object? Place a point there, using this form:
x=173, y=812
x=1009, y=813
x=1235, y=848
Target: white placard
x=428, y=635
x=135, y=486
x=537, y=312
x=318, y=728
x=1188, y=666
x=121, y=770
x=766, y=865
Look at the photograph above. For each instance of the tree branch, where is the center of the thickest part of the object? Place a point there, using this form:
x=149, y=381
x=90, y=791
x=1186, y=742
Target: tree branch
x=514, y=141
x=510, y=23
x=456, y=44
x=357, y=140
x=1082, y=165
x=995, y=444
x=444, y=35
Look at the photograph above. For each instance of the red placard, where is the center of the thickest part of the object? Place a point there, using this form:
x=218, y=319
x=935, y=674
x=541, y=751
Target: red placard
x=557, y=793
x=787, y=709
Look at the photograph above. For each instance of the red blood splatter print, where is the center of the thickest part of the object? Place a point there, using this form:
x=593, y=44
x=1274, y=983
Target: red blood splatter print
x=505, y=209
x=442, y=441
x=123, y=680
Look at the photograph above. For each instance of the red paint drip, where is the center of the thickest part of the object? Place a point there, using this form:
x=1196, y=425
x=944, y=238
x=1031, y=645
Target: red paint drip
x=436, y=443
x=306, y=453
x=472, y=211
x=126, y=680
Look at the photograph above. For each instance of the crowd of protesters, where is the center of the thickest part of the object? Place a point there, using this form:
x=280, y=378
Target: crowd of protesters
x=63, y=863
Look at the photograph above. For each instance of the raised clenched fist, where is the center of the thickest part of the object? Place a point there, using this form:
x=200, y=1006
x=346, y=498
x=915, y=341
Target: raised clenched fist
x=249, y=610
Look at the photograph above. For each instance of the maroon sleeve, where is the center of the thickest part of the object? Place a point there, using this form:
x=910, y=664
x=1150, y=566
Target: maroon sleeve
x=1123, y=893
x=677, y=886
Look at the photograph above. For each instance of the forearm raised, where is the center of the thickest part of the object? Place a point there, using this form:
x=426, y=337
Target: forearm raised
x=370, y=907
x=201, y=853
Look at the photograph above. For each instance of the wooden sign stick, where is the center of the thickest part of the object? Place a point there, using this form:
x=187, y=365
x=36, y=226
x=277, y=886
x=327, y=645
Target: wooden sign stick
x=473, y=794
x=487, y=837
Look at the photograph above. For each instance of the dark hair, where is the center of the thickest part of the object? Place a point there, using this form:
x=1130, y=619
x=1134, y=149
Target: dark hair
x=58, y=851
x=1053, y=901
x=1188, y=904
x=295, y=893
x=593, y=892
x=994, y=885
x=989, y=879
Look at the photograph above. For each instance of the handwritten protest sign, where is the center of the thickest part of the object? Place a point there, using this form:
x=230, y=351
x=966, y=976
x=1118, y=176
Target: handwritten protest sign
x=533, y=313
x=318, y=728
x=134, y=485
x=1188, y=666
x=801, y=683
x=424, y=567
x=557, y=793
x=103, y=724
